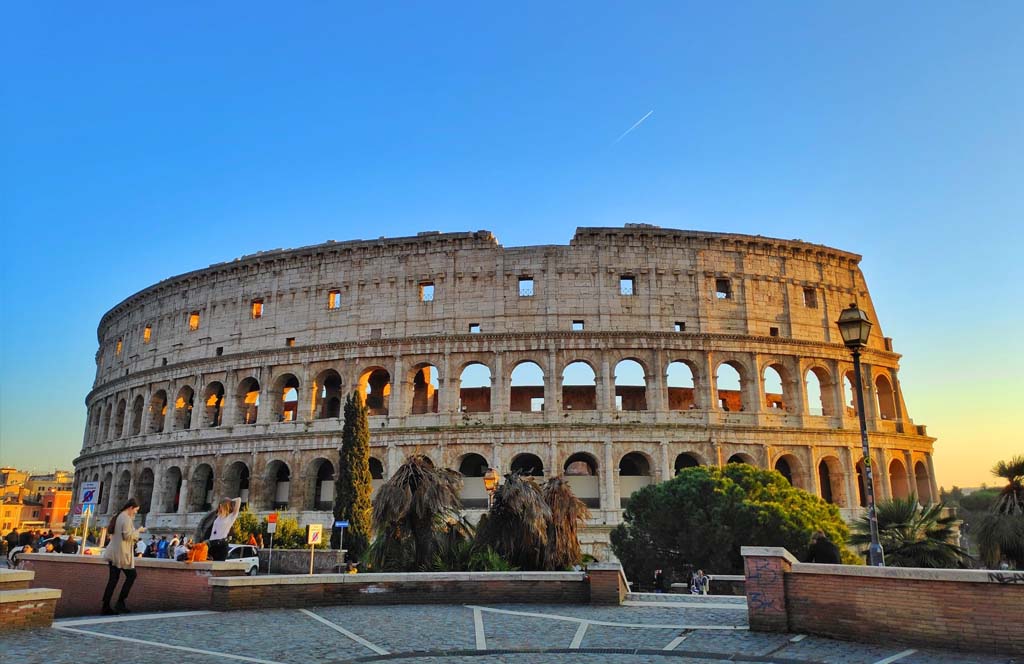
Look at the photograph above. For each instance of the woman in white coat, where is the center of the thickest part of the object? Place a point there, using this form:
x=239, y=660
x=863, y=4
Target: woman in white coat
x=120, y=556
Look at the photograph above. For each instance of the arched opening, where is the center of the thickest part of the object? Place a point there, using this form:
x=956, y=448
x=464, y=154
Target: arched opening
x=634, y=474
x=213, y=405
x=247, y=401
x=171, y=493
x=327, y=395
x=144, y=491
x=474, y=495
x=729, y=386
x=849, y=398
x=106, y=493
x=924, y=485
x=278, y=482
x=681, y=392
x=898, y=479
x=108, y=414
x=740, y=457
x=784, y=468
x=774, y=389
x=375, y=385
x=579, y=387
x=322, y=494
x=527, y=391
x=528, y=464
x=124, y=484
x=138, y=407
x=686, y=460
x=157, y=412
x=886, y=398
x=630, y=386
x=818, y=384
x=830, y=481
x=376, y=473
x=97, y=417
x=200, y=489
x=425, y=390
x=284, y=396
x=475, y=388
x=236, y=481
x=183, y=408
x=581, y=472
x=122, y=409
x=862, y=484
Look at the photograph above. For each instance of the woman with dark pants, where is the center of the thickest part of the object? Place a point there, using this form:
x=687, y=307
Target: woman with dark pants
x=227, y=512
x=120, y=556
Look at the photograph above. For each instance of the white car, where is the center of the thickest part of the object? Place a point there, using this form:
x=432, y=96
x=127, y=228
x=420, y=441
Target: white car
x=244, y=553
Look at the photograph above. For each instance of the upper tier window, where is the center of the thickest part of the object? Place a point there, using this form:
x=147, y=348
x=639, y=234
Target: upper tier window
x=427, y=291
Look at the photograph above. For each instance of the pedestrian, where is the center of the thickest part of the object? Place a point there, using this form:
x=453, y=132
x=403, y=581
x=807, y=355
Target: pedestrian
x=162, y=547
x=181, y=551
x=700, y=584
x=70, y=545
x=13, y=538
x=822, y=550
x=173, y=544
x=119, y=556
x=227, y=512
x=140, y=547
x=659, y=581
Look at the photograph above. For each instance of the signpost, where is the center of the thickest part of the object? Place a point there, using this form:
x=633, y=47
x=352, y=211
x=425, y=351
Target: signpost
x=271, y=529
x=314, y=536
x=88, y=496
x=341, y=525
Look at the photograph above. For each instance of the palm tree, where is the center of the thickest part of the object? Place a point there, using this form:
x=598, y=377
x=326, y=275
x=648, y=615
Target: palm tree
x=913, y=535
x=1000, y=534
x=414, y=504
x=517, y=525
x=568, y=513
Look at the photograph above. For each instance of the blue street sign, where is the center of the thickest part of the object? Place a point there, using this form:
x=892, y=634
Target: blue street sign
x=341, y=524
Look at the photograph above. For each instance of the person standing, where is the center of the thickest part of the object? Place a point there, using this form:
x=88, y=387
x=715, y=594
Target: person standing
x=120, y=556
x=227, y=512
x=70, y=545
x=822, y=550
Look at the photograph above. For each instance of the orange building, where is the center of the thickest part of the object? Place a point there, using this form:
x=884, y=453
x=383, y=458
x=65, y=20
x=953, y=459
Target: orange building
x=56, y=505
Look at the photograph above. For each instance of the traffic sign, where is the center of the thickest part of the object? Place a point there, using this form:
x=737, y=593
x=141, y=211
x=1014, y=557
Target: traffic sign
x=314, y=534
x=272, y=517
x=341, y=524
x=271, y=527
x=89, y=493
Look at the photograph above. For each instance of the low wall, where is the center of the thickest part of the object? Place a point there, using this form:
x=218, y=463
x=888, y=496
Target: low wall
x=971, y=610
x=721, y=584
x=296, y=591
x=296, y=561
x=161, y=585
x=22, y=607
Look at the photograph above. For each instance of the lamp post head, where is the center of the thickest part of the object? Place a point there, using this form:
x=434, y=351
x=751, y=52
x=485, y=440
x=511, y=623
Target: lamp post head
x=491, y=478
x=854, y=327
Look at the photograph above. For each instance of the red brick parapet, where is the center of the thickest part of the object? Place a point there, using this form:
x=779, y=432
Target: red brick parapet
x=607, y=583
x=22, y=607
x=970, y=610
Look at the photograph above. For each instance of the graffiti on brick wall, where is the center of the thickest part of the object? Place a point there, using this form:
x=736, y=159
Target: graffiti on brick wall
x=1005, y=577
x=764, y=572
x=758, y=601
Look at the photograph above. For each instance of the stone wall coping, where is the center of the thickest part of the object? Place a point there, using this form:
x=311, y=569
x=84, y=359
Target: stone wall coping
x=1003, y=577
x=209, y=566
x=406, y=577
x=768, y=552
x=15, y=575
x=28, y=595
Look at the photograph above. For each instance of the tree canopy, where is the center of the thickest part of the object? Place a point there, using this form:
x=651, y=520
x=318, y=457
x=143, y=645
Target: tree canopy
x=1001, y=531
x=913, y=535
x=704, y=515
x=354, y=485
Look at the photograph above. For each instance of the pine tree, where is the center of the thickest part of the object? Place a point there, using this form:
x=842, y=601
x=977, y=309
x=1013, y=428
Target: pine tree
x=354, y=484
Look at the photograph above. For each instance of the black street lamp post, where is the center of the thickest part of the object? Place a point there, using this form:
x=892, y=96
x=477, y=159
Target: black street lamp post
x=854, y=326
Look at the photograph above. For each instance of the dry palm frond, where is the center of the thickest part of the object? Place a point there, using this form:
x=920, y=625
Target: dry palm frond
x=568, y=513
x=517, y=525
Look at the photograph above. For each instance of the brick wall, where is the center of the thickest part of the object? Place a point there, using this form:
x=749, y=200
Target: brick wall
x=160, y=585
x=26, y=613
x=970, y=610
x=607, y=583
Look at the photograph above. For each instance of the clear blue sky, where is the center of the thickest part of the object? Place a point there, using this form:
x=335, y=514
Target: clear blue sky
x=141, y=142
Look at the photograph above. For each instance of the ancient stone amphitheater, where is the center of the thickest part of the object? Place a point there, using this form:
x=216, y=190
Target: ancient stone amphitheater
x=616, y=360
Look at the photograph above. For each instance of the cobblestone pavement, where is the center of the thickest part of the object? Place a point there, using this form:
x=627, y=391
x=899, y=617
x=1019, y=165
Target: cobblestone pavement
x=646, y=629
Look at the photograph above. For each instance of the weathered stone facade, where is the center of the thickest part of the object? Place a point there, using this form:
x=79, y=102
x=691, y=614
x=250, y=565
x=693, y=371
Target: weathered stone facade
x=228, y=381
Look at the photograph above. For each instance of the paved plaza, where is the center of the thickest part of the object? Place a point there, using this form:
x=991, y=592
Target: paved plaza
x=648, y=628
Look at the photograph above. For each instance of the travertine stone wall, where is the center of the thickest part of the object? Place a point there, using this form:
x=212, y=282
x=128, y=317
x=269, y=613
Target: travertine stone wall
x=244, y=404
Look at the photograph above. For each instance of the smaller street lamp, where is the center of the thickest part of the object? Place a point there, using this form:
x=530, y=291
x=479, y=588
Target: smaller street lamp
x=855, y=327
x=491, y=478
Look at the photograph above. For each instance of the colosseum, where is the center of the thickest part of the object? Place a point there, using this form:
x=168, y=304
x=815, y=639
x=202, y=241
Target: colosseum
x=616, y=360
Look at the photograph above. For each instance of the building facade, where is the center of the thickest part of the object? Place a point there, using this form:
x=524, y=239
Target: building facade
x=616, y=359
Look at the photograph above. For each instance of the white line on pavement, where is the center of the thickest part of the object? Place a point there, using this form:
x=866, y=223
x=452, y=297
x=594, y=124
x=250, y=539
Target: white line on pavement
x=685, y=605
x=75, y=622
x=897, y=656
x=675, y=642
x=338, y=628
x=478, y=628
x=798, y=638
x=157, y=644
x=577, y=639
x=603, y=623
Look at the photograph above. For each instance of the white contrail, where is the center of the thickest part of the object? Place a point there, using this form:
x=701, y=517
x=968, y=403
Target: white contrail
x=638, y=123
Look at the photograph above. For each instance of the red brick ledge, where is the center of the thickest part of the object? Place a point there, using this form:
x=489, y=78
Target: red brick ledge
x=162, y=563
x=402, y=577
x=914, y=573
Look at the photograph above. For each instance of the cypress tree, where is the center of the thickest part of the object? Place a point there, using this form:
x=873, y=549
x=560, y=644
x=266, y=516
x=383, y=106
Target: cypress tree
x=354, y=484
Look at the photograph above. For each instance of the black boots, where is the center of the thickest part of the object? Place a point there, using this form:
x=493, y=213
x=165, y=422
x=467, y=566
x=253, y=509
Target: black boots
x=107, y=611
x=120, y=607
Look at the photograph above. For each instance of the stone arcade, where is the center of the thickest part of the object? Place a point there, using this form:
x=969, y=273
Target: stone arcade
x=617, y=360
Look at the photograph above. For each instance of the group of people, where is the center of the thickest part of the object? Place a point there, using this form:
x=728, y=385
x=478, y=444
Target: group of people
x=176, y=548
x=700, y=583
x=125, y=544
x=15, y=543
